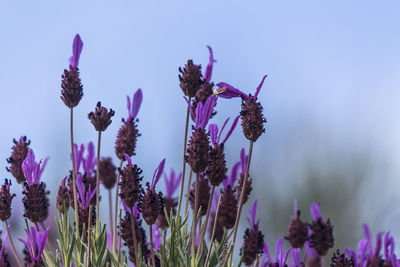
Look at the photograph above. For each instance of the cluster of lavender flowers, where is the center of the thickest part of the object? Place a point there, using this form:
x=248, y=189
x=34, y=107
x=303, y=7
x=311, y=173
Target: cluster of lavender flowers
x=216, y=198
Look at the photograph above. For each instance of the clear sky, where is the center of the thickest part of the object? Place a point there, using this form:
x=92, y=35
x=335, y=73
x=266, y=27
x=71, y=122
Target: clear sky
x=332, y=89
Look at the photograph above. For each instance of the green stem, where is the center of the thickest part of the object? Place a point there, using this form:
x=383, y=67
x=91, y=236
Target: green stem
x=98, y=180
x=213, y=231
x=74, y=174
x=204, y=228
x=116, y=208
x=110, y=212
x=184, y=160
x=152, y=245
x=195, y=210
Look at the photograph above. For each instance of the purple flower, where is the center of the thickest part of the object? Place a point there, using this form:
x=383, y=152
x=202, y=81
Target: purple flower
x=33, y=170
x=172, y=183
x=157, y=238
x=209, y=68
x=19, y=153
x=247, y=190
x=203, y=112
x=296, y=260
x=76, y=51
x=133, y=109
x=215, y=137
x=298, y=231
x=228, y=91
x=321, y=236
x=35, y=243
x=84, y=197
x=230, y=180
x=3, y=254
x=280, y=258
x=89, y=162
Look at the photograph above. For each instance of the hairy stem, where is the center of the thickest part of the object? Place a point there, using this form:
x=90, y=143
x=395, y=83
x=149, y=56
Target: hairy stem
x=12, y=244
x=116, y=208
x=98, y=179
x=74, y=173
x=203, y=230
x=184, y=160
x=241, y=202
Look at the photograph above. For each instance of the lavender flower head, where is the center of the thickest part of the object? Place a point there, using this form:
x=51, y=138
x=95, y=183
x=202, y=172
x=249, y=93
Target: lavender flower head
x=253, y=238
x=71, y=92
x=18, y=155
x=5, y=201
x=128, y=133
x=203, y=193
x=63, y=197
x=172, y=183
x=101, y=117
x=157, y=238
x=85, y=197
x=34, y=245
x=296, y=260
x=229, y=201
x=130, y=185
x=198, y=146
x=321, y=238
x=206, y=88
x=252, y=118
x=298, y=231
x=3, y=255
x=35, y=200
x=190, y=78
x=280, y=258
x=247, y=190
x=153, y=202
x=219, y=230
x=216, y=169
x=107, y=172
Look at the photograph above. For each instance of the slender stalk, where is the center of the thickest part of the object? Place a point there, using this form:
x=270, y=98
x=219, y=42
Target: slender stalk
x=29, y=233
x=152, y=245
x=89, y=236
x=204, y=228
x=184, y=160
x=241, y=201
x=195, y=210
x=12, y=244
x=188, y=192
x=44, y=250
x=119, y=238
x=116, y=208
x=135, y=244
x=74, y=172
x=213, y=231
x=98, y=180
x=48, y=244
x=110, y=212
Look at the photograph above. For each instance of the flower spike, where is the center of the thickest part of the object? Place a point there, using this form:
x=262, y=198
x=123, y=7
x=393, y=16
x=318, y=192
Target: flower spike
x=259, y=86
x=315, y=213
x=157, y=174
x=253, y=212
x=76, y=51
x=89, y=162
x=172, y=182
x=33, y=170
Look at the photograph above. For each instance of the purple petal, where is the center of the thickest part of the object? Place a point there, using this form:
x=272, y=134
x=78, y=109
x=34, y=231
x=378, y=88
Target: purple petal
x=128, y=159
x=28, y=166
x=76, y=51
x=367, y=235
x=234, y=173
x=259, y=86
x=315, y=213
x=41, y=168
x=279, y=250
x=213, y=130
x=136, y=102
x=42, y=238
x=266, y=253
x=394, y=261
x=243, y=161
x=208, y=72
x=222, y=129
x=253, y=212
x=231, y=129
x=157, y=174
x=3, y=245
x=283, y=263
x=352, y=254
x=296, y=256
x=190, y=107
x=207, y=110
x=90, y=161
x=157, y=238
x=215, y=201
x=362, y=248
x=126, y=208
x=199, y=115
x=378, y=243
x=389, y=246
x=228, y=91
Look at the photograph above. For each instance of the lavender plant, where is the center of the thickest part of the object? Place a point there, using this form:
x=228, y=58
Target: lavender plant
x=173, y=238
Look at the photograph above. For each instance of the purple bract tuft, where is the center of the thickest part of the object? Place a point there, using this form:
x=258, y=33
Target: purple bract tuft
x=101, y=117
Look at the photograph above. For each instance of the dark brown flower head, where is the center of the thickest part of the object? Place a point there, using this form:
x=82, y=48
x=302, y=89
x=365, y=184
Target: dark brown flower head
x=247, y=190
x=18, y=155
x=4, y=256
x=170, y=204
x=297, y=233
x=107, y=173
x=204, y=195
x=29, y=261
x=5, y=200
x=340, y=260
x=216, y=169
x=190, y=78
x=130, y=185
x=101, y=117
x=126, y=139
x=152, y=205
x=197, y=151
x=71, y=92
x=126, y=234
x=36, y=202
x=314, y=261
x=228, y=208
x=252, y=245
x=204, y=92
x=63, y=197
x=252, y=119
x=321, y=238
x=72, y=89
x=83, y=217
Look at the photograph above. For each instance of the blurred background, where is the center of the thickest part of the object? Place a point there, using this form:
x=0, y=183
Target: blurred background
x=331, y=99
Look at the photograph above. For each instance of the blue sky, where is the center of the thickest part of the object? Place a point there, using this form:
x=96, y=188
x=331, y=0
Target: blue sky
x=333, y=80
